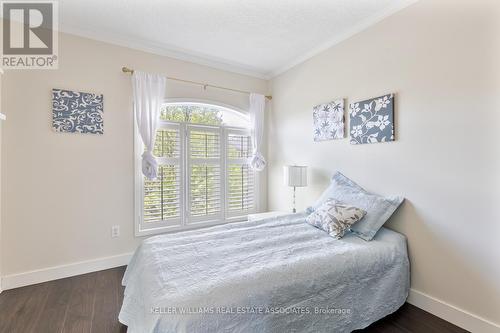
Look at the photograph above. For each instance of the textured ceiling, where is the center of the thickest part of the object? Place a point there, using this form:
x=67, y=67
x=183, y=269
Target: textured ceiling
x=257, y=37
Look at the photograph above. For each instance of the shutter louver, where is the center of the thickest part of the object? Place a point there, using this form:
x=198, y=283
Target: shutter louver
x=240, y=177
x=204, y=144
x=238, y=146
x=161, y=196
x=205, y=190
x=167, y=143
x=241, y=188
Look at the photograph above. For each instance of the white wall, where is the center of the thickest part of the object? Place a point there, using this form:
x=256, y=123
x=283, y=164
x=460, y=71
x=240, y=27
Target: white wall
x=441, y=58
x=61, y=193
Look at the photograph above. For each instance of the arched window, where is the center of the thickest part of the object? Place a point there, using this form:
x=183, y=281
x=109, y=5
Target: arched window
x=204, y=177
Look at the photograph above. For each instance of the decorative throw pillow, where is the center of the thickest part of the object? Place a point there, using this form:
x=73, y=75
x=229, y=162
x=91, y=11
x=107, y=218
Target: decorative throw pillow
x=378, y=208
x=335, y=217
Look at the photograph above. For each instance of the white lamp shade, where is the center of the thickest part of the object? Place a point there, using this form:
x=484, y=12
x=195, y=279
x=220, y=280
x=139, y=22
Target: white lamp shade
x=295, y=175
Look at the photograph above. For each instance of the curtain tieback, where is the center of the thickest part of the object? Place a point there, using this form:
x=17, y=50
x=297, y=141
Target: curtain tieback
x=257, y=161
x=149, y=165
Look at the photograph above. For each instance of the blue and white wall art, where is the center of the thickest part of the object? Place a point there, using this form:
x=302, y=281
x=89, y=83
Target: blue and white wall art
x=328, y=121
x=372, y=120
x=77, y=112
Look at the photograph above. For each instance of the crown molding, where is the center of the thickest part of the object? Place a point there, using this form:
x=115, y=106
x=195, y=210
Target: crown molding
x=361, y=26
x=167, y=51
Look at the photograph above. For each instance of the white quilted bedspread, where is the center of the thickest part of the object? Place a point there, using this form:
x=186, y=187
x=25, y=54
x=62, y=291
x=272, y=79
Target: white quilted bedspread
x=274, y=275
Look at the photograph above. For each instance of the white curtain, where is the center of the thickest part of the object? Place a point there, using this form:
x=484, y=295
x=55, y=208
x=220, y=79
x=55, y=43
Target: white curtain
x=257, y=106
x=149, y=93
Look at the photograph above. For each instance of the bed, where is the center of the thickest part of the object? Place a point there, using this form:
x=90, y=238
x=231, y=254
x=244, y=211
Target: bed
x=273, y=275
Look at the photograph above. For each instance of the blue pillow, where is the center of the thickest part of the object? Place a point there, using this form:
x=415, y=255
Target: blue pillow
x=378, y=208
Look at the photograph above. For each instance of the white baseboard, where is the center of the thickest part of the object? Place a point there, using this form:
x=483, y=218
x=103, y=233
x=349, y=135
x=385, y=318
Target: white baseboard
x=63, y=271
x=451, y=313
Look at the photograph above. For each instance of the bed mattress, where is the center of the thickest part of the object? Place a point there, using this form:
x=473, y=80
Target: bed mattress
x=274, y=275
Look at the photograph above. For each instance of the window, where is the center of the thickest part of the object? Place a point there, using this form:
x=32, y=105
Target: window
x=204, y=177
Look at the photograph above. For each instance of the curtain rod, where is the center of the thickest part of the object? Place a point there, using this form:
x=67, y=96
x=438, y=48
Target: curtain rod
x=204, y=85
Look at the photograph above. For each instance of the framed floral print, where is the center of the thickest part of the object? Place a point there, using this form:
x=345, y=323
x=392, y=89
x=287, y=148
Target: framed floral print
x=372, y=120
x=77, y=112
x=328, y=121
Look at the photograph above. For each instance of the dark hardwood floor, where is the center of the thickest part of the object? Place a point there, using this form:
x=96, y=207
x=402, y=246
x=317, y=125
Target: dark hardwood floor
x=411, y=319
x=91, y=302
x=84, y=303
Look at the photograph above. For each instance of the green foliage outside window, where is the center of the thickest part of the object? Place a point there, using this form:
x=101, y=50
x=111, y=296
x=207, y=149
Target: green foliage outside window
x=195, y=114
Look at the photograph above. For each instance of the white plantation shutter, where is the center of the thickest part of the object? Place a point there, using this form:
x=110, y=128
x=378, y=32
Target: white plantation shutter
x=240, y=176
x=163, y=196
x=204, y=173
x=204, y=177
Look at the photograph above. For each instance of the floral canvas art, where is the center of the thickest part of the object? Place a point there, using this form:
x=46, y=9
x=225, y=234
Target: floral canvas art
x=77, y=112
x=372, y=120
x=328, y=121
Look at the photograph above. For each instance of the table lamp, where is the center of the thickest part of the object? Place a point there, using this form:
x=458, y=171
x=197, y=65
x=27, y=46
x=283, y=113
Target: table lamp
x=295, y=176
